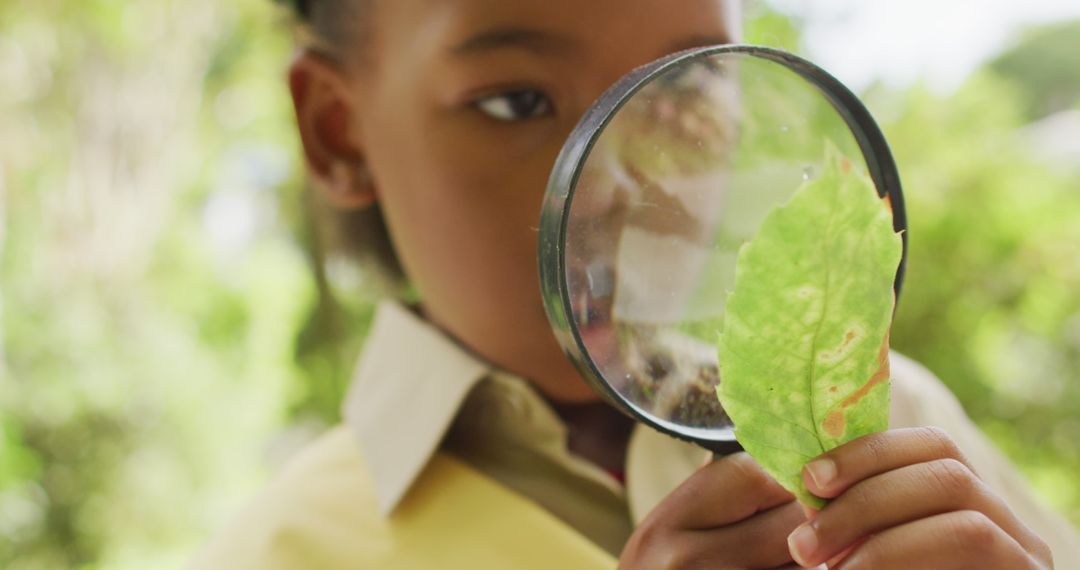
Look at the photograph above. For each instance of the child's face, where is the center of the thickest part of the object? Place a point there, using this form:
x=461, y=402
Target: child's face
x=459, y=113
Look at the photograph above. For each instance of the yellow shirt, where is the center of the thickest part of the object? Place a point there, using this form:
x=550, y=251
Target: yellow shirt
x=445, y=461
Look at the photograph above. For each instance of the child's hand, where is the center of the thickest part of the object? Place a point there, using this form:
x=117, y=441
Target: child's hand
x=908, y=498
x=730, y=514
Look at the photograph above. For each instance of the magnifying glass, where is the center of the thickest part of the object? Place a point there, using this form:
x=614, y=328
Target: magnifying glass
x=668, y=173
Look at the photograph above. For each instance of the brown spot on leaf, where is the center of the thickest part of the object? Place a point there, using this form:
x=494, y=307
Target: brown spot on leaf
x=888, y=202
x=835, y=423
x=835, y=354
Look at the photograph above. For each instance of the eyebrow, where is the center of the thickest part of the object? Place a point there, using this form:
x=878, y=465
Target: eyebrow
x=542, y=42
x=528, y=39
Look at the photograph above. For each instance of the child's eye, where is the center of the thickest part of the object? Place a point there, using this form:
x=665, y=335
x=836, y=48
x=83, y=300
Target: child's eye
x=515, y=105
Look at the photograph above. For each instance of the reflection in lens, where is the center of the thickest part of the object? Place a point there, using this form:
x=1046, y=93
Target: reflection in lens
x=640, y=233
x=672, y=375
x=678, y=179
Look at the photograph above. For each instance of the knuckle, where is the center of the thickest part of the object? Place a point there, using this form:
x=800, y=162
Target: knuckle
x=649, y=547
x=683, y=559
x=673, y=554
x=648, y=534
x=666, y=559
x=974, y=530
x=877, y=445
x=655, y=545
x=748, y=470
x=940, y=441
x=861, y=500
x=836, y=520
x=874, y=450
x=868, y=557
x=1041, y=550
x=953, y=478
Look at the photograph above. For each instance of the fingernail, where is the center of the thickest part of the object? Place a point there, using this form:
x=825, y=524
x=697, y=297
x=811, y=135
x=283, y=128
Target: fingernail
x=822, y=471
x=803, y=543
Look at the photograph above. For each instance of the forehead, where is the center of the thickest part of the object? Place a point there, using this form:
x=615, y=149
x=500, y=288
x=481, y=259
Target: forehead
x=446, y=26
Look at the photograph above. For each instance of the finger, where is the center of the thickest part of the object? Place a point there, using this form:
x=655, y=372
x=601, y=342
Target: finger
x=753, y=543
x=901, y=496
x=757, y=542
x=836, y=470
x=960, y=539
x=721, y=493
x=717, y=495
x=835, y=560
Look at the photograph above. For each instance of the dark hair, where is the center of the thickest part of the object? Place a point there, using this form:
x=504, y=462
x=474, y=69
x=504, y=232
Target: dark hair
x=335, y=22
x=358, y=234
x=336, y=240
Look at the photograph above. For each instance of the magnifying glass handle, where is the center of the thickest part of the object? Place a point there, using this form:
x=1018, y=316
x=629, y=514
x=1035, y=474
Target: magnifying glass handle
x=721, y=448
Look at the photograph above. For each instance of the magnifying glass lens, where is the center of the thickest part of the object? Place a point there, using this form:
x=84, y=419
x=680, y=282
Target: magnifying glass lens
x=671, y=172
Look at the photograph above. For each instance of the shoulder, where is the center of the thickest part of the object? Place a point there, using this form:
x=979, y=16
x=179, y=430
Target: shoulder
x=322, y=512
x=918, y=397
x=322, y=501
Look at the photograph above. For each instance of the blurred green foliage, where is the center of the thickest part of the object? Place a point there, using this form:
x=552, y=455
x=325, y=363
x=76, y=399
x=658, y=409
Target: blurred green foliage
x=156, y=277
x=992, y=296
x=167, y=332
x=1046, y=62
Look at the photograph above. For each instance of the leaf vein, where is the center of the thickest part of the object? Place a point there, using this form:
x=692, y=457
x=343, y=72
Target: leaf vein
x=765, y=411
x=777, y=447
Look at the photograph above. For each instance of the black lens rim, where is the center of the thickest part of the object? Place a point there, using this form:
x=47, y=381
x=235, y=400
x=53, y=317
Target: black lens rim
x=567, y=170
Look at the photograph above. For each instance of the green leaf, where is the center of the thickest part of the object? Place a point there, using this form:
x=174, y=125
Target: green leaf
x=804, y=354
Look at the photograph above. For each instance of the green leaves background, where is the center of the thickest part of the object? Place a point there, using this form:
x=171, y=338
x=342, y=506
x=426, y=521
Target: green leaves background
x=152, y=371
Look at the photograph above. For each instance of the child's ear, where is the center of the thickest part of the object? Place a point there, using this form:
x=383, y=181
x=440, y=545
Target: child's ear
x=325, y=115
